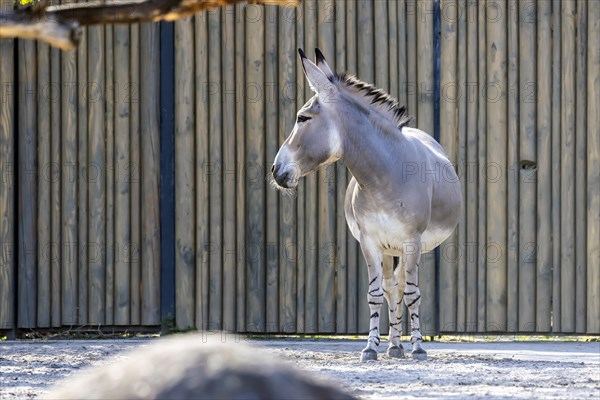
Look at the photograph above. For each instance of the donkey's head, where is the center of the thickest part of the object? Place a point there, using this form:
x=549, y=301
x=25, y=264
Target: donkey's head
x=315, y=140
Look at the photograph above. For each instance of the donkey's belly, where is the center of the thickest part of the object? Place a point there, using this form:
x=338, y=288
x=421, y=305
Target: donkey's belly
x=392, y=241
x=392, y=230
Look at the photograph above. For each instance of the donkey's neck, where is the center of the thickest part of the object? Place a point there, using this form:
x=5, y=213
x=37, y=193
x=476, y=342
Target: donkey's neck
x=369, y=146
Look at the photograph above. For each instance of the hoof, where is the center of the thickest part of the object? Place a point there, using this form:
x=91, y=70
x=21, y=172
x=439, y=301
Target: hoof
x=368, y=355
x=419, y=354
x=395, y=352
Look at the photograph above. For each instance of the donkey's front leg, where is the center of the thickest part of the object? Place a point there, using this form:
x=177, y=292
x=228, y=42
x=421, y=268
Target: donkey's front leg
x=412, y=295
x=394, y=300
x=374, y=258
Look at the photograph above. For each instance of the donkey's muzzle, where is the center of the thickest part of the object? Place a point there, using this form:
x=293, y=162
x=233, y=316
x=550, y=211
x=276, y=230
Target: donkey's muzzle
x=282, y=176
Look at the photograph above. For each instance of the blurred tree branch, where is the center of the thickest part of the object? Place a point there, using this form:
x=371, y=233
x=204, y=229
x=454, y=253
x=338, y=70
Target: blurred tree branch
x=60, y=25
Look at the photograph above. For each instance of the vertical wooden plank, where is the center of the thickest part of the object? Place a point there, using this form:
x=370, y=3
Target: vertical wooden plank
x=326, y=178
x=452, y=249
x=122, y=177
x=581, y=133
x=203, y=246
x=271, y=145
x=527, y=167
x=427, y=275
x=96, y=175
x=471, y=169
x=240, y=159
x=449, y=90
x=185, y=216
x=392, y=46
x=27, y=211
x=402, y=40
x=135, y=174
x=310, y=194
x=481, y=169
x=215, y=179
x=544, y=240
x=365, y=41
x=460, y=162
x=110, y=93
x=472, y=92
x=342, y=289
x=82, y=168
x=73, y=124
x=382, y=46
x=567, y=171
x=289, y=253
x=52, y=173
x=556, y=166
x=168, y=244
x=366, y=72
x=149, y=248
x=255, y=186
x=44, y=275
x=412, y=19
x=70, y=172
x=593, y=170
x=512, y=172
x=352, y=250
x=7, y=186
x=496, y=98
x=229, y=170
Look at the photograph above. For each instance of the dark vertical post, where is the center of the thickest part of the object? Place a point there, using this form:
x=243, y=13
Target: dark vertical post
x=12, y=333
x=436, y=133
x=167, y=176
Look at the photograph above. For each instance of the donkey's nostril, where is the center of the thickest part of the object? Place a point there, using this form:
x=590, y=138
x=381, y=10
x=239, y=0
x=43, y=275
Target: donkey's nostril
x=281, y=179
x=273, y=168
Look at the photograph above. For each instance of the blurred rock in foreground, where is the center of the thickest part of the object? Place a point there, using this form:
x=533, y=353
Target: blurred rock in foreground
x=195, y=367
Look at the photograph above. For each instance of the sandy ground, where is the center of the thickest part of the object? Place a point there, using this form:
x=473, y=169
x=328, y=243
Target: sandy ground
x=499, y=370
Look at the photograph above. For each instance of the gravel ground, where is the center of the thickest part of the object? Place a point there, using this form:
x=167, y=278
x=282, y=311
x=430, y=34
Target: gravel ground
x=500, y=370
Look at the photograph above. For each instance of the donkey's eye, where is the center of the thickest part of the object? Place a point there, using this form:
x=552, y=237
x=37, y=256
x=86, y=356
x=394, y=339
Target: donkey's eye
x=302, y=118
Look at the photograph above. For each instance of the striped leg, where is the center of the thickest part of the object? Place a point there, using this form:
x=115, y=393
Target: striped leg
x=391, y=291
x=373, y=258
x=412, y=295
x=401, y=279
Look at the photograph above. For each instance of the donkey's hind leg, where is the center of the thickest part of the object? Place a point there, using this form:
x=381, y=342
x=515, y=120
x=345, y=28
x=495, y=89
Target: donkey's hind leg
x=412, y=295
x=391, y=290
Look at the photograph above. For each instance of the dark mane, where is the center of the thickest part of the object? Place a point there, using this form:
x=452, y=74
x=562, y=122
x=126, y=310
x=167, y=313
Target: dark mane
x=379, y=98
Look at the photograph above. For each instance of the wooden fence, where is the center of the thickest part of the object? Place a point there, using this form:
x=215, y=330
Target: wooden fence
x=510, y=88
x=520, y=118
x=79, y=195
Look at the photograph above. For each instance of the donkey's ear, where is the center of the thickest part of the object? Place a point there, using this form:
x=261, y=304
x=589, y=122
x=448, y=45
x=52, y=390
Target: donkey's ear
x=322, y=64
x=316, y=78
